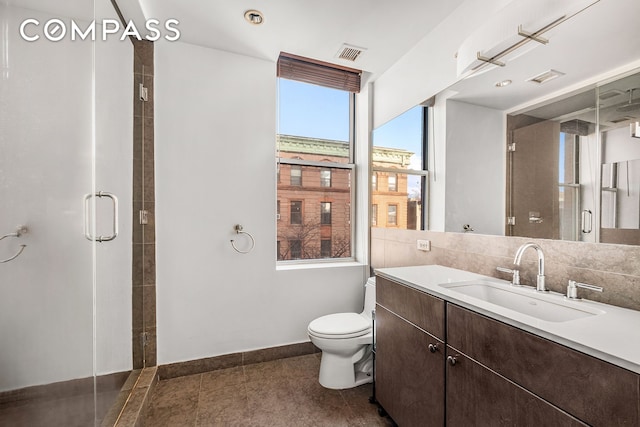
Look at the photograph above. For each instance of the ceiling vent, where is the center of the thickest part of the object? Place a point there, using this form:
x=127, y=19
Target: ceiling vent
x=349, y=52
x=621, y=119
x=610, y=94
x=545, y=77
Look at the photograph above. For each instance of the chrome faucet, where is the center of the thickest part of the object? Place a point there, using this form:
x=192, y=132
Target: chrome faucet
x=540, y=285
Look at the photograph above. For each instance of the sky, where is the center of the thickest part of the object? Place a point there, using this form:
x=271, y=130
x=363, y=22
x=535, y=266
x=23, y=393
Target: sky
x=320, y=112
x=313, y=111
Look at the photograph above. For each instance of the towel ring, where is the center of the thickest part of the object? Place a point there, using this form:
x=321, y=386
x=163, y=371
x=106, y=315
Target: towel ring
x=239, y=230
x=19, y=232
x=15, y=256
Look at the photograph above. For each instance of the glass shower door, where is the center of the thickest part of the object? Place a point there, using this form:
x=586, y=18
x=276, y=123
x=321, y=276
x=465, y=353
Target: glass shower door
x=60, y=293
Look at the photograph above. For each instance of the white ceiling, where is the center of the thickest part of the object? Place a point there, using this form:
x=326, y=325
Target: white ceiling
x=604, y=37
x=311, y=28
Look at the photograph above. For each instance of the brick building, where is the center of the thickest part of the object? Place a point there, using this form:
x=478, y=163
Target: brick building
x=314, y=202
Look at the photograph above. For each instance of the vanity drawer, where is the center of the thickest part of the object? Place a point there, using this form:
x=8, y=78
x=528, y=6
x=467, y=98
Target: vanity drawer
x=419, y=308
x=592, y=390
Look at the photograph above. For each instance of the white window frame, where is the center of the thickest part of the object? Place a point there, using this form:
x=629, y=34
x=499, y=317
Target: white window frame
x=353, y=189
x=424, y=172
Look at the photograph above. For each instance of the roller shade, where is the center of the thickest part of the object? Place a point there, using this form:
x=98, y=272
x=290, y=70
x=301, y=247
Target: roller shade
x=307, y=70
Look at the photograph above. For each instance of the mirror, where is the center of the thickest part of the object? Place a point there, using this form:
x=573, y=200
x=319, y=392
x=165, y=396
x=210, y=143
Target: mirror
x=620, y=189
x=574, y=167
x=575, y=171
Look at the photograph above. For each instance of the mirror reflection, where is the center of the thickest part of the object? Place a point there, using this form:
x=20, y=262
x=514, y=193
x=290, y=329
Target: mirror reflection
x=574, y=167
x=619, y=113
x=547, y=145
x=553, y=170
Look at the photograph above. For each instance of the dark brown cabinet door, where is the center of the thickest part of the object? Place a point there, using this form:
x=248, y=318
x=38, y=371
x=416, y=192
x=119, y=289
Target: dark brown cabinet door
x=409, y=376
x=592, y=390
x=476, y=396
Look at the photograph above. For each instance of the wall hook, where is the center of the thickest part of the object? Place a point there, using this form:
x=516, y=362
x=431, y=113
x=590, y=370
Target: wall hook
x=239, y=230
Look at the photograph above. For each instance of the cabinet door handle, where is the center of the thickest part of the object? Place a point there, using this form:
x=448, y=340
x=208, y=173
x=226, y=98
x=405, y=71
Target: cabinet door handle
x=433, y=348
x=452, y=360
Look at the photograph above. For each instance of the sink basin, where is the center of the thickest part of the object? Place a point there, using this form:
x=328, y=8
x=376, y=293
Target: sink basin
x=524, y=300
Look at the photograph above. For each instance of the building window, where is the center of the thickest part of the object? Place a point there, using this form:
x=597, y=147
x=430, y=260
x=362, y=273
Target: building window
x=374, y=182
x=374, y=215
x=325, y=248
x=315, y=136
x=278, y=210
x=325, y=213
x=296, y=175
x=392, y=215
x=325, y=178
x=279, y=250
x=295, y=249
x=393, y=182
x=296, y=213
x=399, y=152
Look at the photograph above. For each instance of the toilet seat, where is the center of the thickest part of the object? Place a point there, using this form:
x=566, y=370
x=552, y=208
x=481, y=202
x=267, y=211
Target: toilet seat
x=340, y=326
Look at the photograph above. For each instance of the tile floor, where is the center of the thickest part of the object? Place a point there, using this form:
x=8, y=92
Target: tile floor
x=283, y=392
x=74, y=411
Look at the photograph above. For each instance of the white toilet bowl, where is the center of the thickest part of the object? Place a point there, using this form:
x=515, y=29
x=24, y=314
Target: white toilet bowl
x=346, y=342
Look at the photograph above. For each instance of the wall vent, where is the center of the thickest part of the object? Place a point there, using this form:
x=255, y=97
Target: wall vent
x=545, y=77
x=350, y=52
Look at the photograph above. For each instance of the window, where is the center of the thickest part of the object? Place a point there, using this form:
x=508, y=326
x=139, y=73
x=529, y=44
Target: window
x=374, y=215
x=325, y=178
x=278, y=211
x=296, y=213
x=296, y=175
x=399, y=152
x=325, y=213
x=393, y=182
x=295, y=249
x=392, y=215
x=315, y=143
x=325, y=248
x=569, y=187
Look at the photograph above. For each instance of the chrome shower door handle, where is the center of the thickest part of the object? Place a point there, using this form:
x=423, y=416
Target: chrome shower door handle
x=87, y=226
x=586, y=225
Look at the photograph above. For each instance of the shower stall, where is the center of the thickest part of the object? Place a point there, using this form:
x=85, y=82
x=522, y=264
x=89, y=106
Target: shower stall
x=66, y=126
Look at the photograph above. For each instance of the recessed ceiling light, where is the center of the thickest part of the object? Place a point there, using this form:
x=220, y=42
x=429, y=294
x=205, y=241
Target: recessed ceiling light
x=503, y=83
x=254, y=17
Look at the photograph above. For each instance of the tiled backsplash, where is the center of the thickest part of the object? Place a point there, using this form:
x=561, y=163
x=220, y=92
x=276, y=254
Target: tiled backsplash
x=614, y=267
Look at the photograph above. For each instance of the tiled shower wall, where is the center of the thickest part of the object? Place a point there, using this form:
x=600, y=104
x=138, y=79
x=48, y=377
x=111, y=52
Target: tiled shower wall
x=144, y=236
x=614, y=267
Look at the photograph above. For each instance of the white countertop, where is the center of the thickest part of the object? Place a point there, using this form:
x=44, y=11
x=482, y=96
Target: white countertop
x=613, y=336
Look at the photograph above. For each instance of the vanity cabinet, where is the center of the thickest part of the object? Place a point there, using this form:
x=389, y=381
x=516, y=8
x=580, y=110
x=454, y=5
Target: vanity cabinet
x=485, y=372
x=478, y=396
x=409, y=355
x=594, y=391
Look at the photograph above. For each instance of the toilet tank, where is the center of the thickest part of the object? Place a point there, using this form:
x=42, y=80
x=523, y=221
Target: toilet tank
x=369, y=296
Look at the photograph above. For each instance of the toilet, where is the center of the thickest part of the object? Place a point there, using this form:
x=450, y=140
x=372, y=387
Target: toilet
x=346, y=341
